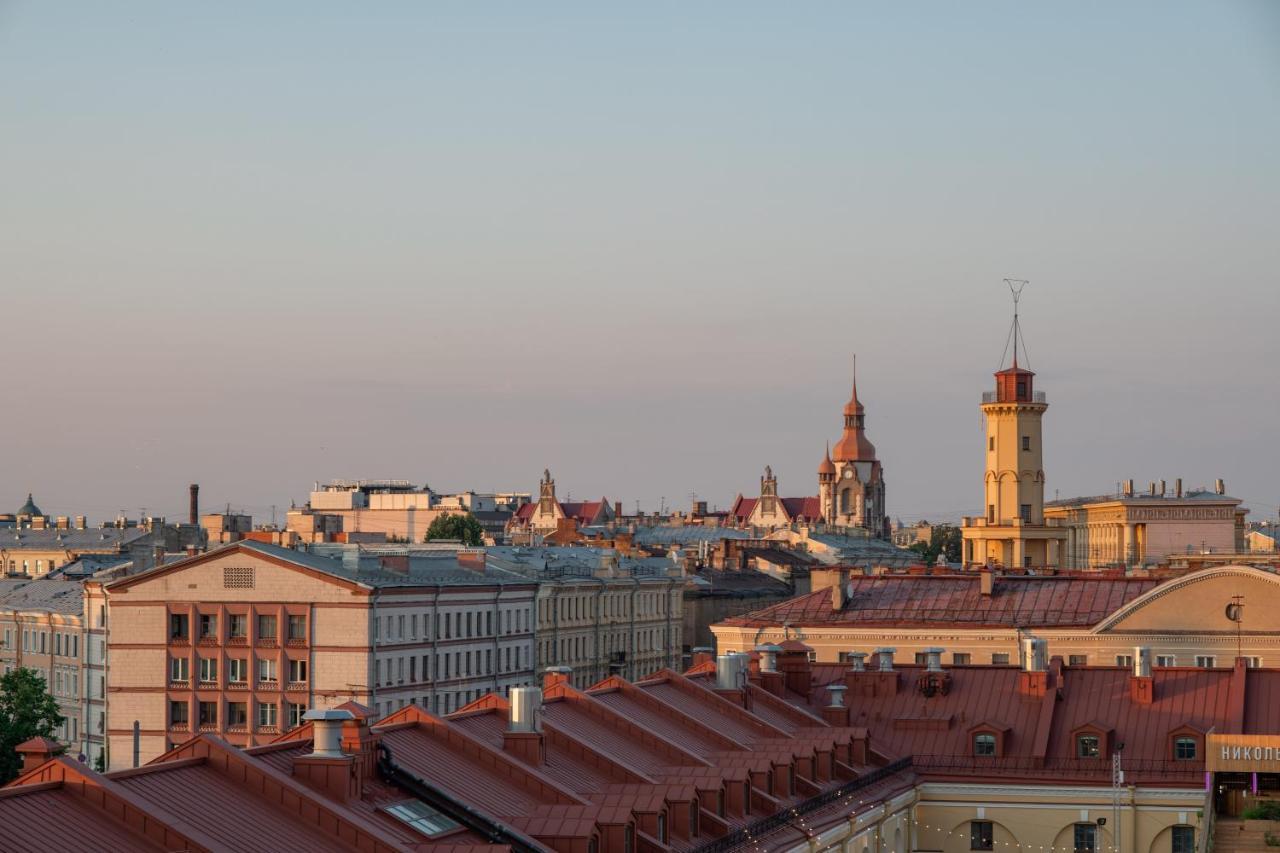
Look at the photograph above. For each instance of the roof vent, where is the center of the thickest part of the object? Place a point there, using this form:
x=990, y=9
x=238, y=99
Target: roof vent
x=1035, y=654
x=1141, y=662
x=326, y=727
x=933, y=659
x=836, y=691
x=731, y=671
x=857, y=661
x=769, y=657
x=885, y=654
x=526, y=709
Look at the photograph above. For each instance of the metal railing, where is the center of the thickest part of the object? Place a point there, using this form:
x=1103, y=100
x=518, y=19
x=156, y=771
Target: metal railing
x=1056, y=766
x=994, y=397
x=755, y=829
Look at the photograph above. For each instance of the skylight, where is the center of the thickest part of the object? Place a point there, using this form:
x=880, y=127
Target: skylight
x=422, y=817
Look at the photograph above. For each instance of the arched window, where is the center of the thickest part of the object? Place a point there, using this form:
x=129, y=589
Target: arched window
x=984, y=744
x=846, y=501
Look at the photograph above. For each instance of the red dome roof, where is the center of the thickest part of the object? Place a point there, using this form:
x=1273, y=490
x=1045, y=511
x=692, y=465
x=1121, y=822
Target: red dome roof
x=854, y=446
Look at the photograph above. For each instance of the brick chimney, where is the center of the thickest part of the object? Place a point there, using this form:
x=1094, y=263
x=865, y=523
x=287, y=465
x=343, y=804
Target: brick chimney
x=836, y=713
x=327, y=769
x=37, y=751
x=473, y=559
x=193, y=509
x=986, y=582
x=771, y=678
x=553, y=675
x=1142, y=684
x=1033, y=681
x=701, y=655
x=523, y=737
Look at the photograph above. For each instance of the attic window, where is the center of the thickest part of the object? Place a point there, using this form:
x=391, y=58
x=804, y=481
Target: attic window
x=984, y=744
x=1088, y=746
x=1184, y=749
x=237, y=577
x=422, y=817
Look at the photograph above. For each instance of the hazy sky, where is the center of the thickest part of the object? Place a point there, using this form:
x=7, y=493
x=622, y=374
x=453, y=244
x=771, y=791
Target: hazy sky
x=253, y=245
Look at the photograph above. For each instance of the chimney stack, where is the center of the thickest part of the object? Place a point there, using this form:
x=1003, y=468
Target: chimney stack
x=701, y=655
x=1151, y=488
x=731, y=671
x=986, y=581
x=1163, y=488
x=523, y=737
x=553, y=675
x=1033, y=681
x=836, y=713
x=857, y=661
x=768, y=657
x=1177, y=487
x=1220, y=486
x=1128, y=488
x=37, y=751
x=1141, y=683
x=327, y=768
x=194, y=509
x=885, y=655
x=933, y=659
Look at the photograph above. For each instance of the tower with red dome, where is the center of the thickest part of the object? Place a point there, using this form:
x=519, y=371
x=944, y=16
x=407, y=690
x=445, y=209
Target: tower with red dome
x=851, y=478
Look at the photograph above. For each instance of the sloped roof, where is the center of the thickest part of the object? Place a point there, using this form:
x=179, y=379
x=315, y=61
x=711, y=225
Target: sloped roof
x=956, y=599
x=809, y=508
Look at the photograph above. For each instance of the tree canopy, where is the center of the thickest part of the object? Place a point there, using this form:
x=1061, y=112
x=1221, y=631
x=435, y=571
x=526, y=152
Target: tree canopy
x=27, y=710
x=944, y=540
x=462, y=527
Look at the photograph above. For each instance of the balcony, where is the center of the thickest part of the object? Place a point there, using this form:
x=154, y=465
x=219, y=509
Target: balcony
x=237, y=685
x=238, y=728
x=237, y=641
x=268, y=684
x=296, y=642
x=269, y=730
x=994, y=397
x=207, y=727
x=208, y=685
x=183, y=684
x=296, y=686
x=179, y=727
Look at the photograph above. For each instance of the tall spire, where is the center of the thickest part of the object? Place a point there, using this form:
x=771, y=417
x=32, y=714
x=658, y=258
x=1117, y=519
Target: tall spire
x=1015, y=338
x=853, y=407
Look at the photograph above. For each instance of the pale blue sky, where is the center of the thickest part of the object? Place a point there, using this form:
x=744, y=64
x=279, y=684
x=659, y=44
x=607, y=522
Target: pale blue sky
x=255, y=245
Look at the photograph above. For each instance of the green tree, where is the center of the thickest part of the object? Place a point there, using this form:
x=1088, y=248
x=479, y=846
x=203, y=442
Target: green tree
x=463, y=528
x=27, y=710
x=944, y=539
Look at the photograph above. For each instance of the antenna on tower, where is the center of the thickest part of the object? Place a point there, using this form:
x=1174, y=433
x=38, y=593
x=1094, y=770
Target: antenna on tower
x=1016, y=286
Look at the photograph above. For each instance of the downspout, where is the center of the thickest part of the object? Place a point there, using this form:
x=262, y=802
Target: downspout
x=371, y=672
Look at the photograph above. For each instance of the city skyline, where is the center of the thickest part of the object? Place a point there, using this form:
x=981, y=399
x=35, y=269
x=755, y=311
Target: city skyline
x=636, y=249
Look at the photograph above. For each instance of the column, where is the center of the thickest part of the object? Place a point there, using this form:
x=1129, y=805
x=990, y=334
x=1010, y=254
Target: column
x=1130, y=544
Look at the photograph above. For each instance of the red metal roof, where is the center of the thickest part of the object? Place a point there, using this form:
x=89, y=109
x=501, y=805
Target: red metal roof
x=1015, y=600
x=808, y=508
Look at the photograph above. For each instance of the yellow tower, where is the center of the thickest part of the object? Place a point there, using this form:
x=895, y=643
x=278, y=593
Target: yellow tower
x=1012, y=532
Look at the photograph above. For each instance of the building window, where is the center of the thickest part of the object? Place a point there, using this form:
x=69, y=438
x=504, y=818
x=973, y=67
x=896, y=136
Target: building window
x=1184, y=839
x=296, y=710
x=1026, y=442
x=991, y=442
x=237, y=716
x=1184, y=749
x=1166, y=660
x=984, y=745
x=237, y=626
x=1000, y=658
x=267, y=715
x=178, y=669
x=1024, y=513
x=1087, y=746
x=178, y=714
x=1124, y=660
x=1077, y=660
x=922, y=658
x=208, y=626
x=208, y=670
x=208, y=713
x=1086, y=838
x=1206, y=661
x=178, y=626
x=266, y=628
x=237, y=670
x=1253, y=663
x=980, y=835
x=267, y=669
x=991, y=513
x=297, y=627
x=297, y=670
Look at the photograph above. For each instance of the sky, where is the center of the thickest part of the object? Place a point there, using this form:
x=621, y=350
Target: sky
x=258, y=245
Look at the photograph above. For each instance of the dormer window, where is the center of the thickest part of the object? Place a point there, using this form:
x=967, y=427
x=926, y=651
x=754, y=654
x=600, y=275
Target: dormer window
x=984, y=745
x=1184, y=748
x=1088, y=746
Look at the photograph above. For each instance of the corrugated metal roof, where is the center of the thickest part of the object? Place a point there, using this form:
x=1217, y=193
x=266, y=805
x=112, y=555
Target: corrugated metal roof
x=37, y=821
x=1015, y=601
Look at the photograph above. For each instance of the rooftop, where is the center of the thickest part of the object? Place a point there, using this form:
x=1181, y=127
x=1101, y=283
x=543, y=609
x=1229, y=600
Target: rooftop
x=1015, y=600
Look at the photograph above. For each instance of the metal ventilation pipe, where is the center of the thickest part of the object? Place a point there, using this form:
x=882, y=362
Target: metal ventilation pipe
x=526, y=708
x=769, y=657
x=1141, y=662
x=933, y=659
x=836, y=692
x=194, y=509
x=885, y=654
x=1035, y=654
x=326, y=731
x=731, y=671
x=857, y=661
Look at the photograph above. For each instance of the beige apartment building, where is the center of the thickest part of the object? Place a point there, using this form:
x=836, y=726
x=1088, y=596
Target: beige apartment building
x=981, y=617
x=1141, y=529
x=242, y=640
x=600, y=614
